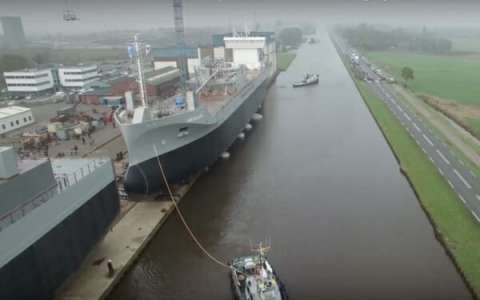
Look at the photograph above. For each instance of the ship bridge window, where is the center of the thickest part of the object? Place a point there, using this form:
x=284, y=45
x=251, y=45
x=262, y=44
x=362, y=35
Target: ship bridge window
x=183, y=131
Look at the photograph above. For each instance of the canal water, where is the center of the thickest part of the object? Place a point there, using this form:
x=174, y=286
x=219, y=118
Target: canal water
x=316, y=178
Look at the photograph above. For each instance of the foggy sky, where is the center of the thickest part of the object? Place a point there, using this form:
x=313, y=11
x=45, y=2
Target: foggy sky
x=45, y=16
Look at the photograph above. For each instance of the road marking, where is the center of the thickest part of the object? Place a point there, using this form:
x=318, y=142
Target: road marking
x=477, y=196
x=440, y=171
x=428, y=140
x=430, y=158
x=443, y=157
x=451, y=184
x=465, y=182
x=400, y=108
x=406, y=116
x=416, y=127
x=424, y=151
x=475, y=215
x=461, y=198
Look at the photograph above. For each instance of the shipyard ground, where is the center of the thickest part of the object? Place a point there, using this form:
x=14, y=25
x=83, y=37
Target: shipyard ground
x=122, y=244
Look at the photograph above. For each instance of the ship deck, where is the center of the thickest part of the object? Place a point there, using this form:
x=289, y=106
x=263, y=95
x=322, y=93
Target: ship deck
x=216, y=95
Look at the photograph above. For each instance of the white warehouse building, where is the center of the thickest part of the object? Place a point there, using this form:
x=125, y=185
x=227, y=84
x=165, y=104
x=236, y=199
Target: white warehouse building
x=14, y=117
x=250, y=50
x=29, y=80
x=77, y=76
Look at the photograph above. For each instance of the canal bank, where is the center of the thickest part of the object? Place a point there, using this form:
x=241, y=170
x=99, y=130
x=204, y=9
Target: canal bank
x=122, y=245
x=315, y=177
x=454, y=226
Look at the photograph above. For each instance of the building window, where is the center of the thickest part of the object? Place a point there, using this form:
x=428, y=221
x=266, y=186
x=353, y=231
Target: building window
x=18, y=122
x=29, y=118
x=11, y=124
x=24, y=120
x=4, y=127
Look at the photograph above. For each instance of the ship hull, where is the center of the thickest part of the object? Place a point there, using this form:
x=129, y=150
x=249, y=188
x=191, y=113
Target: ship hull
x=181, y=163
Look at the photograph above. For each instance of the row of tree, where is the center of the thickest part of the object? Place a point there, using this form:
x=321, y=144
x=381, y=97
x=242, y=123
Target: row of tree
x=11, y=62
x=290, y=36
x=371, y=38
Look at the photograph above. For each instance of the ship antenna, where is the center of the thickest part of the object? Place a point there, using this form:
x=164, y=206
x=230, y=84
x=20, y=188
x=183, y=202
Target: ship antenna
x=143, y=94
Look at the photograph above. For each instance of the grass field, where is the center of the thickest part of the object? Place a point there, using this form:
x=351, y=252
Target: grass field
x=466, y=44
x=284, y=59
x=455, y=78
x=73, y=56
x=455, y=225
x=475, y=124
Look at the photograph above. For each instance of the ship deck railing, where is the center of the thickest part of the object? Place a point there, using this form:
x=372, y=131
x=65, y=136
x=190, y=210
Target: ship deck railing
x=63, y=182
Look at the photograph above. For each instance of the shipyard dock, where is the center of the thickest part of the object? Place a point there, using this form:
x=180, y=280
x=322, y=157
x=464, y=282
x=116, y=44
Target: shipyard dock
x=122, y=245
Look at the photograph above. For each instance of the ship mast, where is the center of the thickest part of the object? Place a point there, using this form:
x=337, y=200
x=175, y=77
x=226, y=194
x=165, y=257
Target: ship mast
x=141, y=83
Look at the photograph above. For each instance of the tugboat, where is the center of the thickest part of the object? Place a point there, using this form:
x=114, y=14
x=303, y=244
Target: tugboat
x=253, y=278
x=310, y=79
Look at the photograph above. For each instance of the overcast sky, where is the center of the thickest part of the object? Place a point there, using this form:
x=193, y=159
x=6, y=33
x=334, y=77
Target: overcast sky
x=45, y=16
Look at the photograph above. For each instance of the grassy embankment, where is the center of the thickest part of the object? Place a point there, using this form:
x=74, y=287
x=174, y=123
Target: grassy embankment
x=454, y=225
x=284, y=59
x=449, y=83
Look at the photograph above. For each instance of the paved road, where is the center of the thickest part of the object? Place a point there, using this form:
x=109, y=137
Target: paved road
x=460, y=178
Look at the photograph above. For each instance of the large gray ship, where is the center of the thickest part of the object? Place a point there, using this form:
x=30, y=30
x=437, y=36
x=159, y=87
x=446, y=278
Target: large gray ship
x=190, y=133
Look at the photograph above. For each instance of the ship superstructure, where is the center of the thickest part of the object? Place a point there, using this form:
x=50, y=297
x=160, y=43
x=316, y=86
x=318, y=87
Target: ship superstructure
x=192, y=129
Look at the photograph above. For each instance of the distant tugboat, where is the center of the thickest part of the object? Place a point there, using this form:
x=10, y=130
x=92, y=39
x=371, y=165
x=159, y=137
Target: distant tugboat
x=253, y=278
x=309, y=79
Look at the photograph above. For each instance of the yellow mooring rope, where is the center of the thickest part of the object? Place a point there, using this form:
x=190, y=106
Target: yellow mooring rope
x=194, y=238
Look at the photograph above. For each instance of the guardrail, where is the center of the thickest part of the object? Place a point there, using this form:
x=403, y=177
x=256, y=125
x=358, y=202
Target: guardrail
x=63, y=181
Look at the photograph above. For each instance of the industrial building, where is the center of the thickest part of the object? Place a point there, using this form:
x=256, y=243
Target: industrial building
x=47, y=230
x=167, y=57
x=159, y=83
x=245, y=50
x=77, y=76
x=14, y=36
x=14, y=117
x=29, y=81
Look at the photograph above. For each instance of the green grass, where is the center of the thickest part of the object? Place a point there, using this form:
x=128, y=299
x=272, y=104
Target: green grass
x=475, y=125
x=454, y=223
x=284, y=59
x=466, y=44
x=451, y=77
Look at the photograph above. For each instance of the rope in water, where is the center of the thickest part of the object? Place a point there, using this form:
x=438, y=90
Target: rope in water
x=180, y=215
